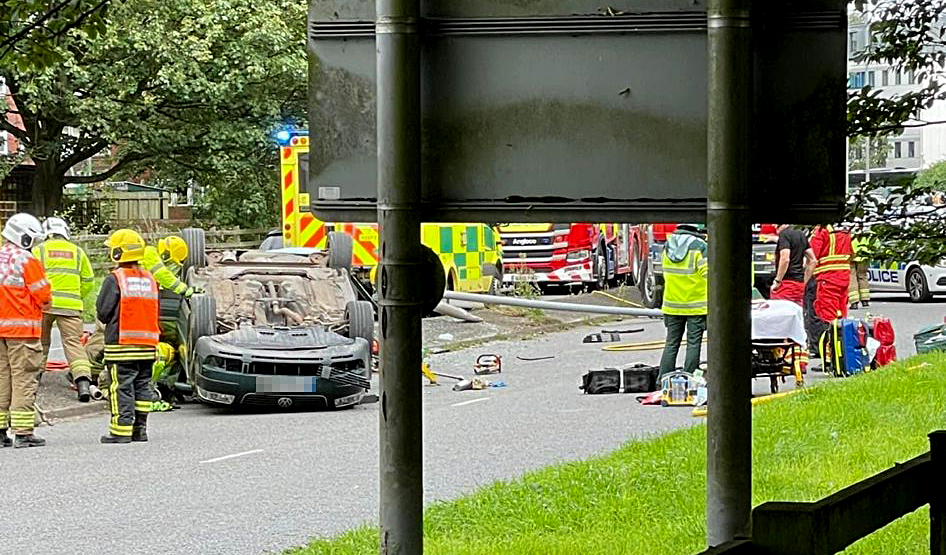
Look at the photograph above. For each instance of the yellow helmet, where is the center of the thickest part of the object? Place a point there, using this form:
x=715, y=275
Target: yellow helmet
x=173, y=248
x=126, y=245
x=166, y=352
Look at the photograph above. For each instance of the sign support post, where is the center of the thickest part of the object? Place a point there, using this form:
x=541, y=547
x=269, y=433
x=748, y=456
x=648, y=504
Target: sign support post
x=401, y=275
x=729, y=427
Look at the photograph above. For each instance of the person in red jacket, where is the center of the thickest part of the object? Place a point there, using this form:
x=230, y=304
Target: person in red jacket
x=128, y=307
x=826, y=289
x=24, y=294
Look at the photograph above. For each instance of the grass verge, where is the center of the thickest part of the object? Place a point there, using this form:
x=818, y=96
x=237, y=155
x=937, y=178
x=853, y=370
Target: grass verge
x=648, y=497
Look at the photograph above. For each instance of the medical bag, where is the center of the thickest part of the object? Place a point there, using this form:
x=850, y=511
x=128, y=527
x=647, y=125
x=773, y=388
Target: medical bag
x=882, y=331
x=844, y=347
x=930, y=338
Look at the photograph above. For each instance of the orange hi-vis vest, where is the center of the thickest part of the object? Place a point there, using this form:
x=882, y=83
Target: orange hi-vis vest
x=23, y=290
x=839, y=252
x=138, y=308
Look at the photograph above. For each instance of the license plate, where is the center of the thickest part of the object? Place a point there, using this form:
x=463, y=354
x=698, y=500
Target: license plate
x=348, y=400
x=521, y=277
x=285, y=384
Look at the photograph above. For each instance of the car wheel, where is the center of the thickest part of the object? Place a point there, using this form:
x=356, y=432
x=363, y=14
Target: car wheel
x=633, y=277
x=196, y=241
x=203, y=318
x=917, y=287
x=340, y=248
x=360, y=317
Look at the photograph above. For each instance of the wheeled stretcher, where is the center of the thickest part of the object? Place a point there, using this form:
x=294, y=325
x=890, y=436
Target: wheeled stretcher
x=778, y=342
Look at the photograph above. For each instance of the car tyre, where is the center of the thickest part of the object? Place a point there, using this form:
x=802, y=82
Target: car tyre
x=917, y=287
x=203, y=318
x=196, y=241
x=340, y=249
x=599, y=268
x=360, y=317
x=651, y=293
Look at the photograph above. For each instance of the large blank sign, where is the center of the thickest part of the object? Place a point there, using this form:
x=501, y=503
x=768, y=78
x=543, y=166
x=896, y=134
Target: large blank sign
x=542, y=110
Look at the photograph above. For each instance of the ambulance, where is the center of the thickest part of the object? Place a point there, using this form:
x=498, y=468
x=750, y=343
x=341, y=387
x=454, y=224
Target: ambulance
x=471, y=253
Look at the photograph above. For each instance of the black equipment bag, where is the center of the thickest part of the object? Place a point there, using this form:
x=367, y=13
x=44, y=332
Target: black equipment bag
x=629, y=378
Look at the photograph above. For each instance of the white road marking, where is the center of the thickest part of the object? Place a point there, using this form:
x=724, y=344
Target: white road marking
x=470, y=402
x=572, y=410
x=233, y=456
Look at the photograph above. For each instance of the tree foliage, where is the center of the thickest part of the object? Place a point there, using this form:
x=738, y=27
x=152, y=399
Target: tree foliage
x=909, y=35
x=188, y=90
x=32, y=30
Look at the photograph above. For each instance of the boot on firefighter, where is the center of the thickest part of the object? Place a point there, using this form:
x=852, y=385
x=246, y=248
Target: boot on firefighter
x=24, y=295
x=70, y=275
x=127, y=305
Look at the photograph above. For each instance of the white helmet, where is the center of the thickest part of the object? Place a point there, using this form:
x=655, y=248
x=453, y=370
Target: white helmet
x=56, y=226
x=23, y=230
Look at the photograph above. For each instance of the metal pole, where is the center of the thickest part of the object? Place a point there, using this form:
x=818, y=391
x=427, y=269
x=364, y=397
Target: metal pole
x=398, y=73
x=938, y=499
x=729, y=427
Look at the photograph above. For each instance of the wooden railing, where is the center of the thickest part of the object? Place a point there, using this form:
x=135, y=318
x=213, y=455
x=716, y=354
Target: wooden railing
x=830, y=525
x=220, y=239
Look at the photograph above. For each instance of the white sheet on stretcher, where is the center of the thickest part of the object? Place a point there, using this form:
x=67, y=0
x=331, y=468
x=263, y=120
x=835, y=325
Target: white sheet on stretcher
x=778, y=320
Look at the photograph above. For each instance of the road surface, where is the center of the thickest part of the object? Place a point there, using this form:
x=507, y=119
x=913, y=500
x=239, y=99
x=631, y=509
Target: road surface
x=215, y=482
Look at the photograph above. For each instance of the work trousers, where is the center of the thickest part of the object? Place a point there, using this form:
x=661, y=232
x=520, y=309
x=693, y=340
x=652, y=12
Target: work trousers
x=129, y=392
x=858, y=291
x=694, y=326
x=70, y=328
x=20, y=362
x=814, y=326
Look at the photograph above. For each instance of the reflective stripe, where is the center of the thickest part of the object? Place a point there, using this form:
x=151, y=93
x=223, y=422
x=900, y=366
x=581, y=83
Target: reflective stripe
x=21, y=323
x=681, y=271
x=142, y=406
x=141, y=294
x=130, y=334
x=119, y=429
x=62, y=271
x=831, y=268
x=39, y=284
x=156, y=267
x=13, y=281
x=64, y=295
x=698, y=304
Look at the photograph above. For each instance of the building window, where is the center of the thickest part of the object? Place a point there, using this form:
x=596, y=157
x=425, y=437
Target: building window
x=897, y=149
x=853, y=41
x=885, y=77
x=896, y=77
x=911, y=149
x=855, y=80
x=911, y=78
x=870, y=78
x=4, y=143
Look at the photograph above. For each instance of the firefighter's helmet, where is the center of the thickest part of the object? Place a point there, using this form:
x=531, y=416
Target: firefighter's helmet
x=173, y=248
x=23, y=230
x=126, y=245
x=56, y=226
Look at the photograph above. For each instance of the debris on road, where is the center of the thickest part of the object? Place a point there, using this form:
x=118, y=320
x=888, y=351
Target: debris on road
x=608, y=336
x=445, y=337
x=635, y=377
x=533, y=359
x=446, y=309
x=488, y=364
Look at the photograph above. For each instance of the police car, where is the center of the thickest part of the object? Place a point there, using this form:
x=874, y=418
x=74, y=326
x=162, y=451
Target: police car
x=919, y=281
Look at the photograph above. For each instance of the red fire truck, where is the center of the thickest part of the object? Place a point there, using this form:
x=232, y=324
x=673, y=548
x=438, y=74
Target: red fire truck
x=578, y=255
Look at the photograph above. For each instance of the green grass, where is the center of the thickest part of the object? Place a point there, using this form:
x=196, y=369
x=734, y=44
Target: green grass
x=88, y=310
x=648, y=497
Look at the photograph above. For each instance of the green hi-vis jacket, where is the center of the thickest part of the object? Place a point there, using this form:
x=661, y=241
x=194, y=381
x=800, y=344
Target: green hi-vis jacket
x=165, y=277
x=684, y=271
x=69, y=272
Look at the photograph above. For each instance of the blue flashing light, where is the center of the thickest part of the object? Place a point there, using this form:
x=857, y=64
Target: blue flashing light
x=283, y=136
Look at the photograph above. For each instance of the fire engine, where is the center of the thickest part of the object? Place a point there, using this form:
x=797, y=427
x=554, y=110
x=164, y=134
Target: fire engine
x=578, y=255
x=470, y=252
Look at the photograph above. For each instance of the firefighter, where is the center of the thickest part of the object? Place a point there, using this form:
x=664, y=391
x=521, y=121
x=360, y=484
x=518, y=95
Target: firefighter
x=24, y=295
x=858, y=288
x=128, y=306
x=70, y=275
x=684, y=302
x=827, y=281
x=167, y=276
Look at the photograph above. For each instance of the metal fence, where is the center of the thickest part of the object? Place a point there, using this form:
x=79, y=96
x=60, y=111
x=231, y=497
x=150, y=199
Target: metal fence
x=218, y=239
x=830, y=525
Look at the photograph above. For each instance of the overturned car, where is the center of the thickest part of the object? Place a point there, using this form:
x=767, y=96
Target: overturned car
x=277, y=329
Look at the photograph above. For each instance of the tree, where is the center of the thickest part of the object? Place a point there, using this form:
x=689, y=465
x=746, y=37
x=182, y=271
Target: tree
x=181, y=88
x=910, y=36
x=30, y=30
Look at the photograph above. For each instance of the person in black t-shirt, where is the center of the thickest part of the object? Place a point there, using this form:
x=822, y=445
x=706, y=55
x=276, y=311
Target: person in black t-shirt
x=792, y=254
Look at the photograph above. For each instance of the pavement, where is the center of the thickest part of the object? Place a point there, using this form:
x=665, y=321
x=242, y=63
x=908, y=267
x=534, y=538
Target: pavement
x=215, y=481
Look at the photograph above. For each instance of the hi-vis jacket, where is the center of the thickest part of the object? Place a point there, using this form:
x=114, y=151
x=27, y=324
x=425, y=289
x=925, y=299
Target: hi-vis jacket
x=862, y=246
x=165, y=277
x=69, y=272
x=24, y=290
x=128, y=306
x=833, y=250
x=684, y=271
